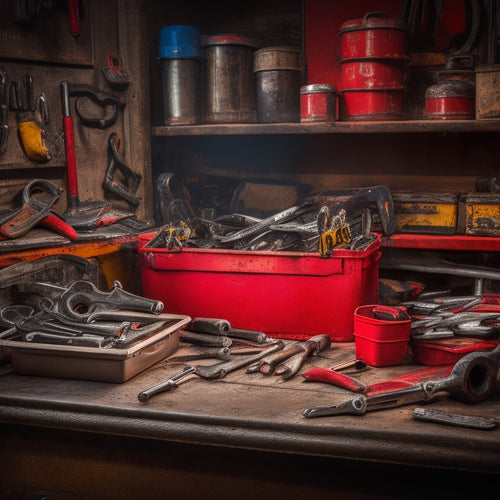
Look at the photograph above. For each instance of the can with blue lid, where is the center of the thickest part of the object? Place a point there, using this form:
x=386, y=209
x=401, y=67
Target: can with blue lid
x=181, y=58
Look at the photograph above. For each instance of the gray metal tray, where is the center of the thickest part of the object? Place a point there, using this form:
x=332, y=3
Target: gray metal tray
x=93, y=363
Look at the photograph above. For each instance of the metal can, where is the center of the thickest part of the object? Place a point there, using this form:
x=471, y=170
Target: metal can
x=229, y=79
x=318, y=103
x=279, y=79
x=450, y=100
x=180, y=55
x=373, y=36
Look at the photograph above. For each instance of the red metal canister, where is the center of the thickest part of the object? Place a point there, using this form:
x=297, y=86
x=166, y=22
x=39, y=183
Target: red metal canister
x=317, y=103
x=450, y=100
x=373, y=36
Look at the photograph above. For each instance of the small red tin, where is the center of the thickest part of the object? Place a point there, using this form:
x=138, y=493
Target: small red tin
x=450, y=100
x=318, y=103
x=374, y=35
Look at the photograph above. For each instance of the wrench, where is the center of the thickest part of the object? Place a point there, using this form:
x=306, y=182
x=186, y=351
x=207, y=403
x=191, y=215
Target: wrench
x=472, y=380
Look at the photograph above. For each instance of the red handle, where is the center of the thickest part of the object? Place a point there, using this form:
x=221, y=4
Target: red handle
x=335, y=378
x=69, y=142
x=59, y=226
x=74, y=17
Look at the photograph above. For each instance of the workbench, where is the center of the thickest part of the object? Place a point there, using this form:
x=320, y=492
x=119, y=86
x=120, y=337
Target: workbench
x=243, y=435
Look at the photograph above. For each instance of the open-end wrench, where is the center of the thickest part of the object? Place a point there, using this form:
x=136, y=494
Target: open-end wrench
x=472, y=380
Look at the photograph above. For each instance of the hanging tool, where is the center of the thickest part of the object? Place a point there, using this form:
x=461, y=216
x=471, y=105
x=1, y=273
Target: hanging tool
x=117, y=77
x=32, y=133
x=4, y=112
x=38, y=199
x=89, y=214
x=108, y=105
x=131, y=179
x=472, y=380
x=74, y=17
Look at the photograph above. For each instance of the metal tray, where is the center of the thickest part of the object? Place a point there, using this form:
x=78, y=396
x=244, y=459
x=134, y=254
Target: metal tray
x=93, y=363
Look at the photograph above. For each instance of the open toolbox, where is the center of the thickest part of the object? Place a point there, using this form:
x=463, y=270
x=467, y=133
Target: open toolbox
x=292, y=295
x=95, y=363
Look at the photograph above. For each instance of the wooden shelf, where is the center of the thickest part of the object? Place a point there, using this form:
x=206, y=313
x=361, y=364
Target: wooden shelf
x=378, y=127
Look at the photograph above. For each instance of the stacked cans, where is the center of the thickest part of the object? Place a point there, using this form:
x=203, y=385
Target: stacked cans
x=373, y=60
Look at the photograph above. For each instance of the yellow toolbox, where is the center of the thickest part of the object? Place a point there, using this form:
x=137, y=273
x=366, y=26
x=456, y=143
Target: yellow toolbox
x=479, y=214
x=426, y=213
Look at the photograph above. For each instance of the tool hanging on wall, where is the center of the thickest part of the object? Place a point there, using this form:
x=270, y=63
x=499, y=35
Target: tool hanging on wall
x=89, y=99
x=89, y=214
x=32, y=119
x=114, y=73
x=4, y=112
x=131, y=180
x=38, y=199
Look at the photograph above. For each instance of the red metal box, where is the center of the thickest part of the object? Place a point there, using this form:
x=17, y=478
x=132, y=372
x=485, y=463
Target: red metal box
x=289, y=295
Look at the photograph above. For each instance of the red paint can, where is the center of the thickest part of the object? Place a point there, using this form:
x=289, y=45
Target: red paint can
x=374, y=36
x=372, y=74
x=372, y=104
x=450, y=100
x=318, y=103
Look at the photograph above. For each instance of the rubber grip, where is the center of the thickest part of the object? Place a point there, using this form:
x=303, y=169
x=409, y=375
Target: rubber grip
x=33, y=144
x=335, y=378
x=69, y=143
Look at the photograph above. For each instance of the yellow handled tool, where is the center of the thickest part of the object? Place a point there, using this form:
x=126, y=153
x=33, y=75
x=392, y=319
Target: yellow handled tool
x=32, y=134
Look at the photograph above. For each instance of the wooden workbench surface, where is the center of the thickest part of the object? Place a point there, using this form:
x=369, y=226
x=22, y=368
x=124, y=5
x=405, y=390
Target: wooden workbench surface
x=255, y=412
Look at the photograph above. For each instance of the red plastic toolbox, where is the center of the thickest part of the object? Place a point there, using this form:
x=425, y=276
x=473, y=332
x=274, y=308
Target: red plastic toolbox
x=290, y=295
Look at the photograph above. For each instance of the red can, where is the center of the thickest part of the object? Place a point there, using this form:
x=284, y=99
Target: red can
x=372, y=104
x=318, y=103
x=450, y=100
x=373, y=36
x=372, y=74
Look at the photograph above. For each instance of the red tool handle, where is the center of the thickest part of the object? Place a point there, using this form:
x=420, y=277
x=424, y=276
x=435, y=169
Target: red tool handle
x=69, y=143
x=334, y=378
x=74, y=17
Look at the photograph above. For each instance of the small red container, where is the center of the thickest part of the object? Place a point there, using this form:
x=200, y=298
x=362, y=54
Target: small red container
x=450, y=100
x=372, y=74
x=291, y=295
x=372, y=104
x=373, y=36
x=318, y=103
x=380, y=342
x=448, y=351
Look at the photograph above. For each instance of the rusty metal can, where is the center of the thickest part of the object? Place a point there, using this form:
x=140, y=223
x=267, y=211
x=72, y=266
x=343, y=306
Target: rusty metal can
x=279, y=72
x=229, y=82
x=450, y=100
x=318, y=103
